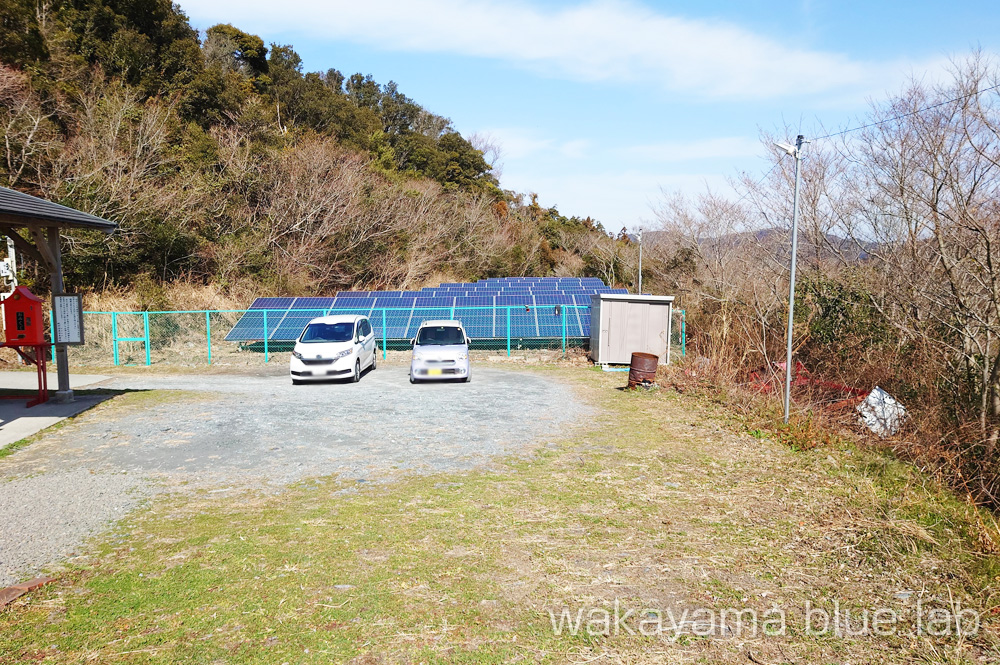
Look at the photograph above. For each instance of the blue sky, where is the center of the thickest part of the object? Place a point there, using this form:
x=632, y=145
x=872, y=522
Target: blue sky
x=600, y=106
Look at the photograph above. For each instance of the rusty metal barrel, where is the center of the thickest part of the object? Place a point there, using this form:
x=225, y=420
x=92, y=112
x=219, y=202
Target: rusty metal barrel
x=642, y=371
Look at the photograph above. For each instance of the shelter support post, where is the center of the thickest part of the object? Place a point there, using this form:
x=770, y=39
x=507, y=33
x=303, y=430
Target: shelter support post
x=48, y=247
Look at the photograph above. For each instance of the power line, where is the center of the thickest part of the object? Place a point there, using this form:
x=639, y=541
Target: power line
x=907, y=114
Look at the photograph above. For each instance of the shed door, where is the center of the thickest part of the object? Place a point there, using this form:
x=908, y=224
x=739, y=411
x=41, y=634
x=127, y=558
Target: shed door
x=637, y=324
x=614, y=333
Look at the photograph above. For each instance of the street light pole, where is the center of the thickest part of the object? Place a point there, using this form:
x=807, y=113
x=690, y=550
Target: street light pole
x=795, y=152
x=640, y=260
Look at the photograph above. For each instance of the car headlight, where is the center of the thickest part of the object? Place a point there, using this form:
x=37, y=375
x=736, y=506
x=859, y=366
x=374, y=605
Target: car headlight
x=297, y=355
x=343, y=354
x=463, y=356
x=418, y=356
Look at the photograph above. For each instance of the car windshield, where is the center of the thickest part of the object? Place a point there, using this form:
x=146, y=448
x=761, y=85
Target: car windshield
x=440, y=336
x=328, y=332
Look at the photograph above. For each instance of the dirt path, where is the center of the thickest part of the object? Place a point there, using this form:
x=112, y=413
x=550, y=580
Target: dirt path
x=227, y=433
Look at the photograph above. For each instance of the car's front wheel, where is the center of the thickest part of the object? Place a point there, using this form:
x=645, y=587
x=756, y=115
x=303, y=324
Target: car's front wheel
x=357, y=371
x=375, y=359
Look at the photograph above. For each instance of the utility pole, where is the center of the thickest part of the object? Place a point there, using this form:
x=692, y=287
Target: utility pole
x=640, y=260
x=796, y=152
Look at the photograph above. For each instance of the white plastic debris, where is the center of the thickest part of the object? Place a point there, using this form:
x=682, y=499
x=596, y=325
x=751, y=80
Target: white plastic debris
x=881, y=413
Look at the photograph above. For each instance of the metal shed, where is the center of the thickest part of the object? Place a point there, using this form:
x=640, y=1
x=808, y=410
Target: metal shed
x=44, y=220
x=622, y=323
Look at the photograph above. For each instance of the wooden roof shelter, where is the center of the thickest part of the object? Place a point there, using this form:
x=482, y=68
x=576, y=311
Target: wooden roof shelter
x=43, y=220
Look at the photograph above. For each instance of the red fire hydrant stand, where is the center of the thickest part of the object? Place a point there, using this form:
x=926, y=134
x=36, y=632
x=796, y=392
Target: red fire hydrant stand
x=38, y=360
x=24, y=328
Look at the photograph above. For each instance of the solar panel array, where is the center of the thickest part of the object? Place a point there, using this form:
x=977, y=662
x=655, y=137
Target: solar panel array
x=535, y=306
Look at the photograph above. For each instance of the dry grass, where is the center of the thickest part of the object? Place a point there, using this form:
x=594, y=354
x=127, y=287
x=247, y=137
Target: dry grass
x=658, y=503
x=178, y=295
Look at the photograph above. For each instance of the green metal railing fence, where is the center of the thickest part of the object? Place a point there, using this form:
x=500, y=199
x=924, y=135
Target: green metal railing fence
x=198, y=337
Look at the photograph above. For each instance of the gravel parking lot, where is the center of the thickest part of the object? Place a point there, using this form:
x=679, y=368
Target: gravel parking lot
x=240, y=431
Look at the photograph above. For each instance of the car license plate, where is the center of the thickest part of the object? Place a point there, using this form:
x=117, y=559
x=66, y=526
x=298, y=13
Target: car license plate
x=433, y=372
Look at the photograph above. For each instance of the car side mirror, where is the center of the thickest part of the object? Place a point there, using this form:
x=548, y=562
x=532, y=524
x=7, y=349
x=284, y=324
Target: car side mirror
x=468, y=341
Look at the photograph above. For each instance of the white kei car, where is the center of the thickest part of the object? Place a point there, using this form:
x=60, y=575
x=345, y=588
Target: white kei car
x=440, y=351
x=334, y=347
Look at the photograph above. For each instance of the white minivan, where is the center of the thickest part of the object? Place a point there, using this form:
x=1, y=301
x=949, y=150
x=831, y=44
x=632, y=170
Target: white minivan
x=440, y=351
x=334, y=347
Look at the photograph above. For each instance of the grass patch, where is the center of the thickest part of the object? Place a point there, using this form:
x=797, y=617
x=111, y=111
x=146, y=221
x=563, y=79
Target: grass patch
x=655, y=504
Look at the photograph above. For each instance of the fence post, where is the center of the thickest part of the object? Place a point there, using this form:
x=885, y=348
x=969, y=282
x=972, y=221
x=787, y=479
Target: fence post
x=265, y=337
x=563, y=310
x=145, y=330
x=383, y=333
x=114, y=336
x=208, y=334
x=508, y=331
x=684, y=339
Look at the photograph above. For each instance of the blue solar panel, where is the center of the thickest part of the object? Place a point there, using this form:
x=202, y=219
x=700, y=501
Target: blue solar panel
x=474, y=301
x=312, y=303
x=523, y=327
x=523, y=320
x=553, y=299
x=425, y=314
x=435, y=301
x=272, y=303
x=573, y=325
x=478, y=323
x=249, y=327
x=396, y=321
x=254, y=325
x=550, y=324
x=394, y=303
x=515, y=300
x=293, y=323
x=353, y=305
x=486, y=302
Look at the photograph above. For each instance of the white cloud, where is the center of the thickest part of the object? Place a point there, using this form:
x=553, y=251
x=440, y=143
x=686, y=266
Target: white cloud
x=616, y=199
x=575, y=149
x=518, y=143
x=599, y=40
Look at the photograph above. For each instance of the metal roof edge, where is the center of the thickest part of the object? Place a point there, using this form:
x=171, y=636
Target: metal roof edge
x=633, y=297
x=20, y=209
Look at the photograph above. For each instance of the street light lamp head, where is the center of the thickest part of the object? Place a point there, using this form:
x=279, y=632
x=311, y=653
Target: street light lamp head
x=790, y=149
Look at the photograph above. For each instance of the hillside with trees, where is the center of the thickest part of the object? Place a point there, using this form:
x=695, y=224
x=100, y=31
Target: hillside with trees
x=899, y=271
x=225, y=163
